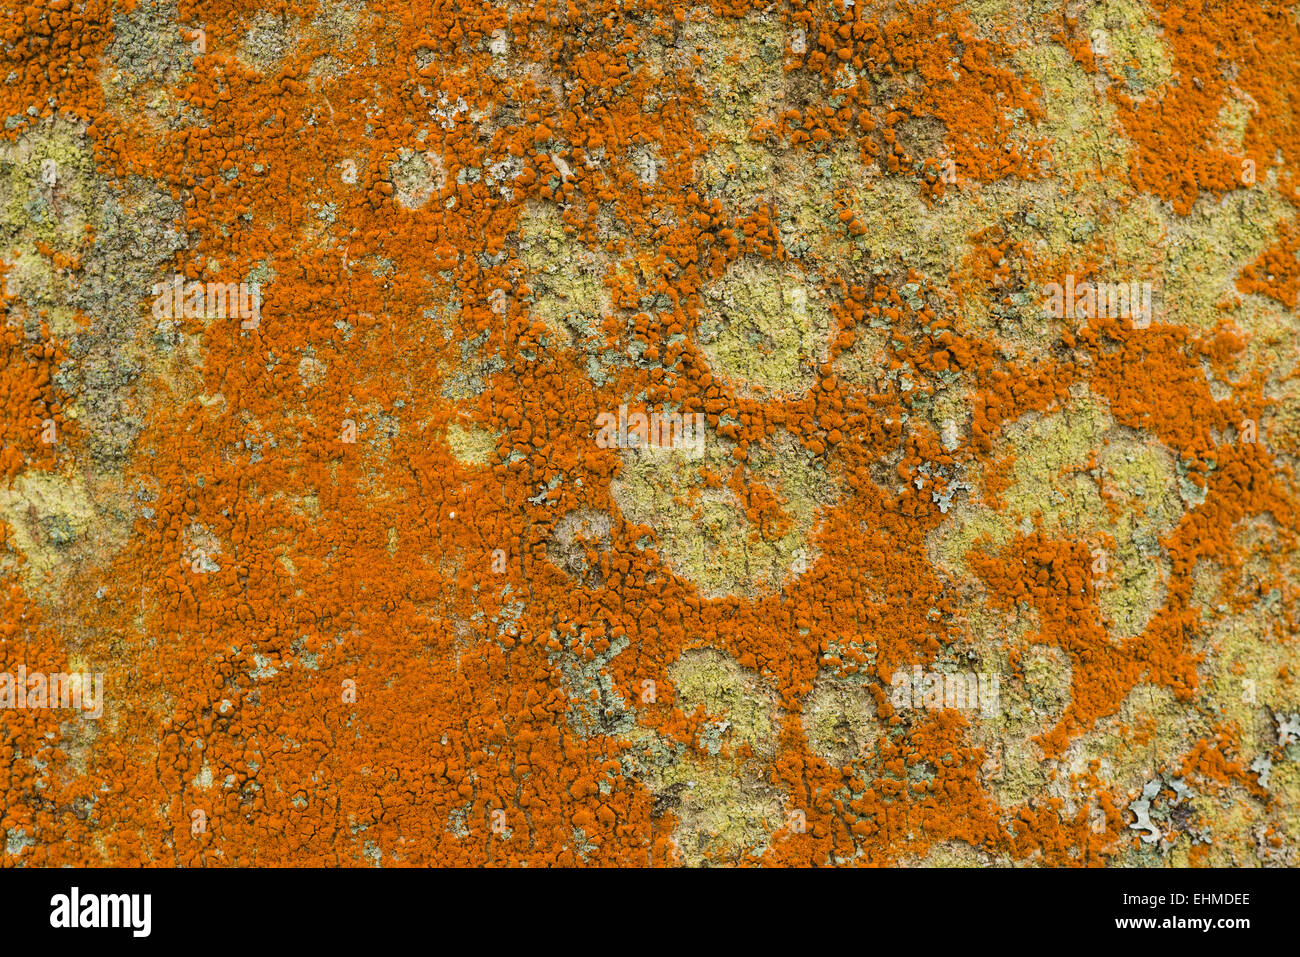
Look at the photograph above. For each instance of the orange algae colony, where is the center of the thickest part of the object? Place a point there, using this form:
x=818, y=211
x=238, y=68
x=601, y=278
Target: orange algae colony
x=594, y=433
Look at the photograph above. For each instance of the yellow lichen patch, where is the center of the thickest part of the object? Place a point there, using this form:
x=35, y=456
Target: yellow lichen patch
x=900, y=230
x=1234, y=116
x=725, y=809
x=1282, y=427
x=1207, y=249
x=707, y=532
x=1127, y=39
x=959, y=854
x=743, y=709
x=1248, y=667
x=764, y=329
x=1139, y=741
x=1076, y=474
x=47, y=185
x=839, y=718
x=54, y=524
x=745, y=81
x=470, y=444
x=723, y=815
x=568, y=281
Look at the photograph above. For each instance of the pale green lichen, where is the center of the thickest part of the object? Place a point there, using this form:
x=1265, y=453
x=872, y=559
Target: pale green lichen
x=1053, y=486
x=764, y=329
x=567, y=279
x=417, y=176
x=736, y=696
x=840, y=719
x=724, y=807
x=470, y=444
x=702, y=529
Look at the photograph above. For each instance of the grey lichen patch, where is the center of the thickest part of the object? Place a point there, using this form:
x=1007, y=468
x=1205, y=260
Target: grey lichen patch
x=268, y=40
x=121, y=235
x=201, y=548
x=417, y=177
x=703, y=529
x=1276, y=840
x=1166, y=813
x=338, y=20
x=647, y=162
x=579, y=538
x=465, y=364
x=950, y=415
x=840, y=719
x=595, y=705
x=764, y=328
x=148, y=48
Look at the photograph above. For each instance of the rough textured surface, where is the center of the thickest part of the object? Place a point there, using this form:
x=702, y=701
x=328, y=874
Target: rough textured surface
x=959, y=575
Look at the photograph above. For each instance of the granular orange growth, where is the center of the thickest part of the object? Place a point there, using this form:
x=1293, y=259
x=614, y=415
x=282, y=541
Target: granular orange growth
x=311, y=322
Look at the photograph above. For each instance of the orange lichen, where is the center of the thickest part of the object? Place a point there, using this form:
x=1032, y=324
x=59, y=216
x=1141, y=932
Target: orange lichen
x=332, y=638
